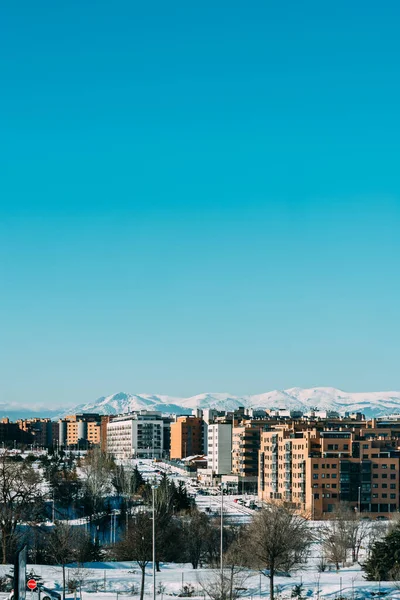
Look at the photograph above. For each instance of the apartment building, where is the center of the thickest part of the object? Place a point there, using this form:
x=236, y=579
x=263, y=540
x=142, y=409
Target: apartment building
x=245, y=448
x=80, y=430
x=11, y=434
x=315, y=469
x=186, y=437
x=220, y=448
x=136, y=435
x=44, y=431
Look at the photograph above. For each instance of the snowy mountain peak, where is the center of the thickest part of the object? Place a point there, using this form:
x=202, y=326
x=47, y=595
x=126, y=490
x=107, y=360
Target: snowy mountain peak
x=304, y=399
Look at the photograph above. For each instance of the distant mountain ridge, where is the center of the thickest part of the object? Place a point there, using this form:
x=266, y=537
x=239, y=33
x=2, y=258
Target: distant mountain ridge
x=319, y=398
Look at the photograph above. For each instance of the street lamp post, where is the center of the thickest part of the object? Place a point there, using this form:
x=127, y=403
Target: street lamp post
x=222, y=530
x=153, y=490
x=359, y=500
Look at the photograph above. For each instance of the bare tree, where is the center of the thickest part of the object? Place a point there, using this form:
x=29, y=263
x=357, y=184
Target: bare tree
x=137, y=544
x=277, y=539
x=335, y=542
x=77, y=578
x=234, y=559
x=196, y=528
x=97, y=468
x=219, y=586
x=62, y=544
x=21, y=499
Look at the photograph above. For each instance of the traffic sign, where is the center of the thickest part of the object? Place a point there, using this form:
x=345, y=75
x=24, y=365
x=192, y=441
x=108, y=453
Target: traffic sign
x=32, y=585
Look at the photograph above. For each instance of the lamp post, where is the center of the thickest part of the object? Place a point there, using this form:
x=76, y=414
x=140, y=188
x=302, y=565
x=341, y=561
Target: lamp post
x=359, y=500
x=222, y=530
x=153, y=490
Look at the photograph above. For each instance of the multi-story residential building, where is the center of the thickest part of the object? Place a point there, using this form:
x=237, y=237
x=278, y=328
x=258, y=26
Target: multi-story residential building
x=11, y=434
x=245, y=448
x=186, y=437
x=105, y=419
x=220, y=448
x=42, y=430
x=81, y=430
x=316, y=469
x=136, y=435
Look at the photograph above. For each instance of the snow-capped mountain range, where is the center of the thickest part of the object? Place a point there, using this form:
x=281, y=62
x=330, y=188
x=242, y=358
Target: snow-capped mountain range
x=319, y=398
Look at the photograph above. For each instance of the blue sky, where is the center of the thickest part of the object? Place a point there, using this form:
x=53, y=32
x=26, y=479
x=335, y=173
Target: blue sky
x=198, y=197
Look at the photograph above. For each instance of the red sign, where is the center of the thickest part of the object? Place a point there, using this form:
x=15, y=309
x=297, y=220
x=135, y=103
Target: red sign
x=32, y=585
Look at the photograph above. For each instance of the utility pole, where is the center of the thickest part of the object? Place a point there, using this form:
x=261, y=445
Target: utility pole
x=153, y=490
x=222, y=531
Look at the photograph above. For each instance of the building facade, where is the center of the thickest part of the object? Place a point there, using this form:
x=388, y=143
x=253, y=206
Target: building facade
x=136, y=435
x=245, y=448
x=314, y=470
x=186, y=437
x=80, y=430
x=220, y=448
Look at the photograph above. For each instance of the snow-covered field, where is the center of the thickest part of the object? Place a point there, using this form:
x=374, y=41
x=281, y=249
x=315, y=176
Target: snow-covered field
x=120, y=578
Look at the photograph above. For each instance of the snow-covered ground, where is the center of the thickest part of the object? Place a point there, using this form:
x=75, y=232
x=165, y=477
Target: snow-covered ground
x=121, y=578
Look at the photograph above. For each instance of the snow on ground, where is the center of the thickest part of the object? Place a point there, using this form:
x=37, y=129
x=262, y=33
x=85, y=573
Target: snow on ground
x=119, y=578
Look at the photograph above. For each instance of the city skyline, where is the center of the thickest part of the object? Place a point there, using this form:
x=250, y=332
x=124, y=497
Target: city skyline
x=198, y=198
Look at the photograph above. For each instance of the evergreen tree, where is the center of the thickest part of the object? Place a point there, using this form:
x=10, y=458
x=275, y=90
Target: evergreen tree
x=383, y=563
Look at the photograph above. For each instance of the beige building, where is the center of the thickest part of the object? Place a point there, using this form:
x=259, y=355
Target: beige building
x=314, y=470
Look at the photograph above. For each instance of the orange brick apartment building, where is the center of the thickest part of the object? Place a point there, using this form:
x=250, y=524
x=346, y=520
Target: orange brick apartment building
x=186, y=437
x=316, y=469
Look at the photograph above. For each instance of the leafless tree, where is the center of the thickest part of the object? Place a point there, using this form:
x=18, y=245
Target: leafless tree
x=21, y=499
x=277, y=539
x=78, y=576
x=234, y=559
x=346, y=531
x=137, y=544
x=61, y=543
x=335, y=542
x=97, y=468
x=66, y=544
x=223, y=586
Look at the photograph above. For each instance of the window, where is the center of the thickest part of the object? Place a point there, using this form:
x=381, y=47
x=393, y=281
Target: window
x=334, y=476
x=375, y=466
x=393, y=496
x=365, y=446
x=315, y=476
x=392, y=476
x=384, y=485
x=315, y=466
x=384, y=466
x=345, y=446
x=384, y=475
x=384, y=495
x=375, y=485
x=393, y=467
x=375, y=476
x=392, y=486
x=375, y=495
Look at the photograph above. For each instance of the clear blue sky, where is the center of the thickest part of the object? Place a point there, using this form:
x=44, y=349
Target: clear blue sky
x=198, y=197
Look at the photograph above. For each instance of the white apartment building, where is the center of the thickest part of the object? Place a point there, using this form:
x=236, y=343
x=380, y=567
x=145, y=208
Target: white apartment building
x=220, y=448
x=136, y=435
